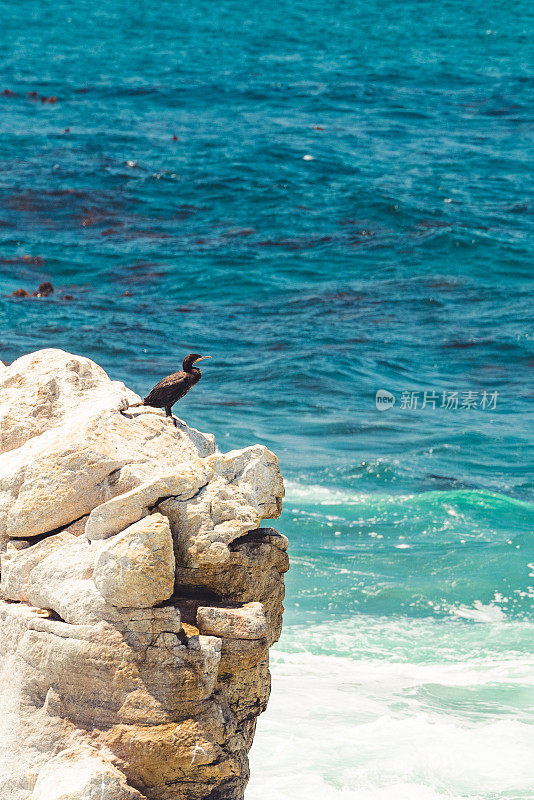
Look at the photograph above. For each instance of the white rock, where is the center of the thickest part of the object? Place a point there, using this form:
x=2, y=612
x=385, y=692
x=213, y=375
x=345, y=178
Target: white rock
x=76, y=462
x=116, y=514
x=247, y=622
x=135, y=569
x=67, y=434
x=63, y=583
x=255, y=470
x=17, y=565
x=245, y=488
x=43, y=389
x=82, y=774
x=129, y=687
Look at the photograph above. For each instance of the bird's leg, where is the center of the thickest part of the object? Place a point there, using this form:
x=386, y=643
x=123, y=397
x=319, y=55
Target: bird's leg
x=168, y=413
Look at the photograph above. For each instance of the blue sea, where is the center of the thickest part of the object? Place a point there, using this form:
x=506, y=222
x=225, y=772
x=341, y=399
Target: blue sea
x=331, y=199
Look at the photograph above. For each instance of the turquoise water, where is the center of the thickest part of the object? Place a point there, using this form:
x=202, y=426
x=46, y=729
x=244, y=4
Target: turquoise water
x=346, y=207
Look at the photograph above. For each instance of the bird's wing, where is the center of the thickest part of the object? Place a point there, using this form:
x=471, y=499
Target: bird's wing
x=168, y=389
x=171, y=380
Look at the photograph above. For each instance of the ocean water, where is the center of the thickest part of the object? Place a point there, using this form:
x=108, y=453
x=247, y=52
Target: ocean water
x=330, y=199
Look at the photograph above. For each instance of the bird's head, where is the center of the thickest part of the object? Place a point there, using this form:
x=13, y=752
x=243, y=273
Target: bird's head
x=191, y=359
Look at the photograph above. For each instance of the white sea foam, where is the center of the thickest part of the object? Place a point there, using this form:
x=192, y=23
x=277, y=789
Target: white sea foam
x=321, y=495
x=479, y=612
x=405, y=727
x=303, y=493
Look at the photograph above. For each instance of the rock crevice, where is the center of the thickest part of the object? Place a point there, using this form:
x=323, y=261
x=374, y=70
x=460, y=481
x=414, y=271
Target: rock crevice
x=139, y=594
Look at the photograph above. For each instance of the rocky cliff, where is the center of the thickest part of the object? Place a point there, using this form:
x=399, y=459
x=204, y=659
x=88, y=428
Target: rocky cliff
x=139, y=594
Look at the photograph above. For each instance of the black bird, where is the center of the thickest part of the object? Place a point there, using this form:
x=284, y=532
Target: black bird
x=175, y=386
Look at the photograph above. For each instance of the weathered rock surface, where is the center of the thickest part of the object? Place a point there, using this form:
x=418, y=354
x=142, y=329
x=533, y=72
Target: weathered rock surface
x=246, y=622
x=135, y=568
x=84, y=774
x=140, y=596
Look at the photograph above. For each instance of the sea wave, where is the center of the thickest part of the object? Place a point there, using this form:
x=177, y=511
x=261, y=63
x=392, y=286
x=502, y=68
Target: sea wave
x=425, y=724
x=479, y=499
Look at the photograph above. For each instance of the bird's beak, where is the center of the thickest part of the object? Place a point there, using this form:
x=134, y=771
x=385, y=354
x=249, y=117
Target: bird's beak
x=202, y=358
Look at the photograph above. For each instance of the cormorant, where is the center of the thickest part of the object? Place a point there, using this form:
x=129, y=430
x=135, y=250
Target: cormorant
x=175, y=386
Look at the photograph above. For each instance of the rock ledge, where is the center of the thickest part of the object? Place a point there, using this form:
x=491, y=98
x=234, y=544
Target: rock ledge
x=139, y=596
